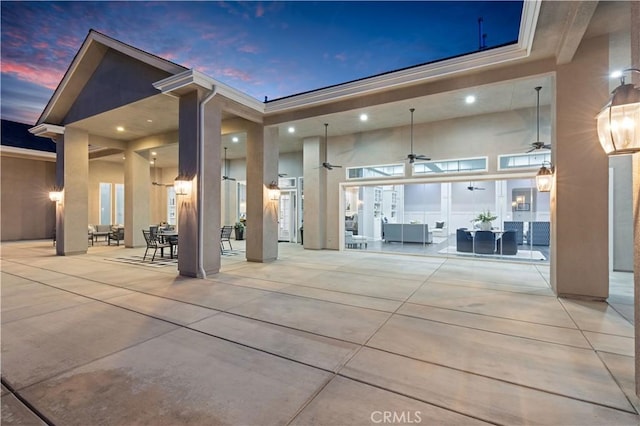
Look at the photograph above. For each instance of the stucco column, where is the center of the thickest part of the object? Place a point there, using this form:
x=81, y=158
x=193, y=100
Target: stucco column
x=262, y=213
x=137, y=189
x=635, y=79
x=579, y=202
x=72, y=174
x=315, y=193
x=199, y=212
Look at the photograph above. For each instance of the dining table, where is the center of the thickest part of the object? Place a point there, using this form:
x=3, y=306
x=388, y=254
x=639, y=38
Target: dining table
x=171, y=237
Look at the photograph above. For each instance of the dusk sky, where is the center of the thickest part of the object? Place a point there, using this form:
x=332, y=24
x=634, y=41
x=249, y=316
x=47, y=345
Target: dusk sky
x=272, y=49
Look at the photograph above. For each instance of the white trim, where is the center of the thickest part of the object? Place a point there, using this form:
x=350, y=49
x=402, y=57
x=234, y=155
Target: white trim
x=47, y=130
x=441, y=178
x=13, y=151
x=196, y=78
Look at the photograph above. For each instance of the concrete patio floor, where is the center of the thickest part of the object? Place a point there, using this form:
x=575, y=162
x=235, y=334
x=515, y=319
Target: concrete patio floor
x=317, y=337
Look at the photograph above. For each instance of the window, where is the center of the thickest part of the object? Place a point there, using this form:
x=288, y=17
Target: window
x=105, y=203
x=171, y=206
x=382, y=171
x=532, y=160
x=242, y=200
x=461, y=165
x=119, y=203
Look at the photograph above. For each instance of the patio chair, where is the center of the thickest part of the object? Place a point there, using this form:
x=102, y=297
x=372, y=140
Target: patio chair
x=225, y=236
x=116, y=234
x=153, y=242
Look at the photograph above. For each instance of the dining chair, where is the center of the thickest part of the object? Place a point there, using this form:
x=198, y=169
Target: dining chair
x=225, y=236
x=153, y=242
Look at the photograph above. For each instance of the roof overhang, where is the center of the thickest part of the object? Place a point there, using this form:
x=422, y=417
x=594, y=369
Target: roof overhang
x=30, y=154
x=85, y=61
x=192, y=79
x=47, y=131
x=422, y=73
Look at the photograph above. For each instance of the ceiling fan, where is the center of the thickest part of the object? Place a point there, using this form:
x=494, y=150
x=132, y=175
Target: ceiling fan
x=472, y=187
x=413, y=157
x=538, y=144
x=226, y=174
x=153, y=163
x=327, y=165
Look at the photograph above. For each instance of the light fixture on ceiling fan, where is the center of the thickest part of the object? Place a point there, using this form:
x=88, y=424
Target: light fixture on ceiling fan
x=154, y=183
x=327, y=165
x=538, y=144
x=413, y=157
x=472, y=187
x=226, y=174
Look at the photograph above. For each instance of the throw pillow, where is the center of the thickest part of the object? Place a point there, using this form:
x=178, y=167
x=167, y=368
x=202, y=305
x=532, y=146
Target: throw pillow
x=439, y=225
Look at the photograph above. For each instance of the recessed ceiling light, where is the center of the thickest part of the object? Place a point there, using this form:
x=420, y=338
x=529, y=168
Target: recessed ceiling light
x=470, y=99
x=234, y=139
x=154, y=153
x=291, y=129
x=616, y=74
x=120, y=129
x=149, y=121
x=152, y=162
x=364, y=117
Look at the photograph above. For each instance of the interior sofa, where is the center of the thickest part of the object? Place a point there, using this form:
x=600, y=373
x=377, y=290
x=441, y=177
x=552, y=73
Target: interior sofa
x=407, y=233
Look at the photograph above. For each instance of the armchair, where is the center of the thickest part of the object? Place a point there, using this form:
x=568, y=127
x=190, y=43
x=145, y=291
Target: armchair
x=116, y=234
x=484, y=242
x=464, y=240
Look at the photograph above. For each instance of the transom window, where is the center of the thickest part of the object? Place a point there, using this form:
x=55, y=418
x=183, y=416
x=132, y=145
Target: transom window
x=380, y=172
x=460, y=165
x=530, y=160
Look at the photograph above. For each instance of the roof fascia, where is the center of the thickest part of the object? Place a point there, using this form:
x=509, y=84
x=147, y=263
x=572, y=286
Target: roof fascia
x=421, y=73
x=34, y=154
x=47, y=131
x=96, y=37
x=192, y=79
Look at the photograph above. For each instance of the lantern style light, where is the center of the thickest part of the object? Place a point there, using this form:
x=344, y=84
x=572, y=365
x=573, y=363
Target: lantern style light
x=182, y=184
x=619, y=120
x=544, y=178
x=274, y=191
x=55, y=196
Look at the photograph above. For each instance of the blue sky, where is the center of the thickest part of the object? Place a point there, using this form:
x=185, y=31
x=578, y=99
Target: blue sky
x=272, y=49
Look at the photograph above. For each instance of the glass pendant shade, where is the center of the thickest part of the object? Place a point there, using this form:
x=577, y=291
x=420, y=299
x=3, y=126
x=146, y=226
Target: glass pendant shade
x=619, y=121
x=544, y=179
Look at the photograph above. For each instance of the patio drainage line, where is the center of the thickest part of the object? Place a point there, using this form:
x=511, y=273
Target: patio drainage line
x=497, y=379
x=616, y=380
x=30, y=406
x=596, y=352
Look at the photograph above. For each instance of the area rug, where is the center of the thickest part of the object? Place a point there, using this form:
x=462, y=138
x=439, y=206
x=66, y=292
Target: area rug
x=137, y=260
x=522, y=254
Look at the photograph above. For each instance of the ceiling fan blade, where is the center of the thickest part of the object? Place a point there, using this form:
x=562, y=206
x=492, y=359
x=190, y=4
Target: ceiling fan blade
x=422, y=157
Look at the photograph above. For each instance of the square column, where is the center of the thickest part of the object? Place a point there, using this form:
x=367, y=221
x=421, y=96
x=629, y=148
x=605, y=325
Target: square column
x=262, y=213
x=137, y=188
x=72, y=174
x=199, y=149
x=579, y=201
x=315, y=193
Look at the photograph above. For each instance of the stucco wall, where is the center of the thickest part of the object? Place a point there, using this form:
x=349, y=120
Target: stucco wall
x=27, y=212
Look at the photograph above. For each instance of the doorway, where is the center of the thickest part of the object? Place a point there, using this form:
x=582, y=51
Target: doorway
x=287, y=216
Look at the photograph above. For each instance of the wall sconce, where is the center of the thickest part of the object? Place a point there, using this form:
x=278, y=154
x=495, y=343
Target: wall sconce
x=619, y=120
x=274, y=191
x=56, y=196
x=183, y=184
x=544, y=177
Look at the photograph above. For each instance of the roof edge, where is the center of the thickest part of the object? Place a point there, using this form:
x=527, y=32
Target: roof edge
x=420, y=73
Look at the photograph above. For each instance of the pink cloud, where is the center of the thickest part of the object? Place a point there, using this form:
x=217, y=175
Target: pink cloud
x=48, y=78
x=259, y=11
x=247, y=48
x=236, y=74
